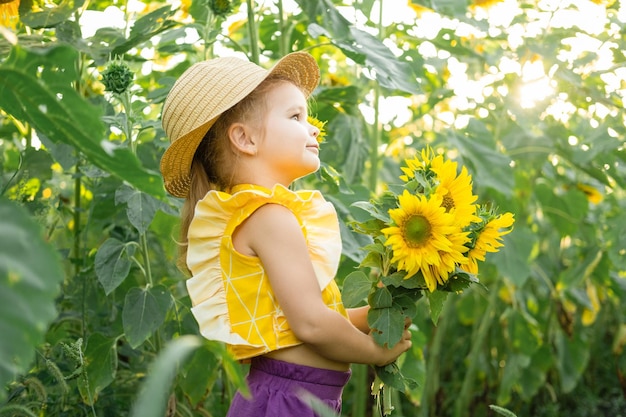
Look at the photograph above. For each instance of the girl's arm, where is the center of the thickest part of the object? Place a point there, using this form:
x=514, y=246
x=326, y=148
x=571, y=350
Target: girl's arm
x=274, y=235
x=358, y=317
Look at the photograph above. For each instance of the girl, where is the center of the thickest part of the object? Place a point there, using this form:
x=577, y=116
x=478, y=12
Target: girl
x=263, y=258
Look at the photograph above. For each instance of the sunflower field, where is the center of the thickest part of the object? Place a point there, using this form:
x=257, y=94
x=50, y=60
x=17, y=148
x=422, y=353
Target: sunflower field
x=525, y=98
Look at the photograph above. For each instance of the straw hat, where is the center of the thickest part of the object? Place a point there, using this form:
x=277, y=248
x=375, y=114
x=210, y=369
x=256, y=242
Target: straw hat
x=205, y=91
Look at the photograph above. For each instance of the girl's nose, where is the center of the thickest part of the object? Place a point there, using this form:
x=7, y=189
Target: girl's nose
x=315, y=131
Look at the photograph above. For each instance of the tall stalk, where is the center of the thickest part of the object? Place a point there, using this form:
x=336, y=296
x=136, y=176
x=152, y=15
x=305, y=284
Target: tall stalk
x=253, y=33
x=433, y=358
x=376, y=132
x=464, y=397
x=283, y=40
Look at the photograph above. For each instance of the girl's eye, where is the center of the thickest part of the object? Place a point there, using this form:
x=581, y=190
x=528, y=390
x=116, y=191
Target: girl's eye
x=296, y=116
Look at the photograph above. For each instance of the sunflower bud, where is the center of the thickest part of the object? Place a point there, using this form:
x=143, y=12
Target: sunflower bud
x=221, y=8
x=117, y=78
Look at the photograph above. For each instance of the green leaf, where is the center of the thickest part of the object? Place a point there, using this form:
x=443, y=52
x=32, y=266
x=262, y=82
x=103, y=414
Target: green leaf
x=146, y=27
x=140, y=207
x=100, y=366
x=488, y=166
x=198, y=375
x=30, y=278
x=144, y=311
x=502, y=411
x=435, y=301
x=388, y=70
x=319, y=407
x=360, y=46
x=356, y=287
x=380, y=298
x=513, y=366
x=572, y=357
x=513, y=260
x=48, y=16
x=387, y=325
x=112, y=263
x=155, y=391
x=52, y=106
x=393, y=377
x=564, y=209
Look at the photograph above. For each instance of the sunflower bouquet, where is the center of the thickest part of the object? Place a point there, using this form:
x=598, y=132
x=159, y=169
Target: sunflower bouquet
x=428, y=235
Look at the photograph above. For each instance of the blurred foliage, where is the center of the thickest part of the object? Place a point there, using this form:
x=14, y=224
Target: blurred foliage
x=526, y=94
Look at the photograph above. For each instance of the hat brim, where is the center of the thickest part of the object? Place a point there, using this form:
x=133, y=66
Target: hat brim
x=297, y=67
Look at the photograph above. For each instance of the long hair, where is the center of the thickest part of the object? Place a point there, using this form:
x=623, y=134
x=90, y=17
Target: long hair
x=215, y=161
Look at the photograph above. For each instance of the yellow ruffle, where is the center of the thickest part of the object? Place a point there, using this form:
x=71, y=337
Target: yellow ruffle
x=231, y=297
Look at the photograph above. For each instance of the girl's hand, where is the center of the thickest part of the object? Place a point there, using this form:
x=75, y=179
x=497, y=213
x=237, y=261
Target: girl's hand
x=390, y=355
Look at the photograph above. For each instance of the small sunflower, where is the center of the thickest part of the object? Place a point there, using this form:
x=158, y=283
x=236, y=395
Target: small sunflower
x=424, y=238
x=489, y=240
x=455, y=190
x=417, y=164
x=320, y=125
x=9, y=13
x=593, y=195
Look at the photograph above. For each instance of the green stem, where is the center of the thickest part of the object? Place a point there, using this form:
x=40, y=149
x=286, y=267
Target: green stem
x=375, y=139
x=146, y=258
x=283, y=40
x=128, y=125
x=208, y=25
x=77, y=216
x=387, y=398
x=432, y=362
x=464, y=397
x=252, y=29
x=361, y=391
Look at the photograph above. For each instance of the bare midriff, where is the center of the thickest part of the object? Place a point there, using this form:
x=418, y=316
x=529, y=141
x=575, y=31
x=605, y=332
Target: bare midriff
x=304, y=355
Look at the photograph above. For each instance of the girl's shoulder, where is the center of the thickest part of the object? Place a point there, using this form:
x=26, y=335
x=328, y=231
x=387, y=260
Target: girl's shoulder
x=245, y=199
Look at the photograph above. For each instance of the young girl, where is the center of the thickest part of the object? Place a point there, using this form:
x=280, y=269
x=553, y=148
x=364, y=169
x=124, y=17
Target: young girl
x=263, y=258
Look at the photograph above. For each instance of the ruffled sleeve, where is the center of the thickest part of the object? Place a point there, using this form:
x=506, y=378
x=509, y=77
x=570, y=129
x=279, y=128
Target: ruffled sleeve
x=210, y=232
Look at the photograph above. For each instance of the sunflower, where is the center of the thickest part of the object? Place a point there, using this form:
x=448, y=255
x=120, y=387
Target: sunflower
x=456, y=191
x=489, y=240
x=425, y=238
x=593, y=195
x=320, y=125
x=9, y=13
x=417, y=164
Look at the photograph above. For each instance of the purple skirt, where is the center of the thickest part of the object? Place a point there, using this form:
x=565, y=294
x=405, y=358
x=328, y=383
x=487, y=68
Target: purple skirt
x=279, y=389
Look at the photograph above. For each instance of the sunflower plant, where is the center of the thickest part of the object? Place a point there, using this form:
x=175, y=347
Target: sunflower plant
x=428, y=235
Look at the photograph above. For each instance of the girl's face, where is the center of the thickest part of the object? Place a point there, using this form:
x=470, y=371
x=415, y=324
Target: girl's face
x=289, y=147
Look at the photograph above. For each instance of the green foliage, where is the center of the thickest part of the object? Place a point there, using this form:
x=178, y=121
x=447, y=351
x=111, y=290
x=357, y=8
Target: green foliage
x=27, y=289
x=100, y=324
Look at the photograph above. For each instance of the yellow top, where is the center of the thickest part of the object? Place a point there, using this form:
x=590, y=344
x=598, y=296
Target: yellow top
x=232, y=299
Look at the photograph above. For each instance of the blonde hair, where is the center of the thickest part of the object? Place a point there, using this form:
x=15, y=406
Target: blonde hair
x=214, y=162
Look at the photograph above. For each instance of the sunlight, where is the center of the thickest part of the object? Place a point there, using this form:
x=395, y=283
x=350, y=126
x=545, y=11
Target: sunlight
x=536, y=84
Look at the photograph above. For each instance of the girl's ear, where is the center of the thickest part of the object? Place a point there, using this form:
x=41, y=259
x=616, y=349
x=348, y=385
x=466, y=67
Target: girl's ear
x=240, y=135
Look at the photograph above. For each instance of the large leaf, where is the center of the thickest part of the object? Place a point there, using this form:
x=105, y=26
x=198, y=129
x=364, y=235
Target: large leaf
x=488, y=166
x=30, y=274
x=513, y=260
x=112, y=263
x=387, y=324
x=152, y=399
x=144, y=311
x=360, y=46
x=50, y=104
x=100, y=366
x=356, y=287
x=564, y=209
x=48, y=16
x=572, y=358
x=140, y=207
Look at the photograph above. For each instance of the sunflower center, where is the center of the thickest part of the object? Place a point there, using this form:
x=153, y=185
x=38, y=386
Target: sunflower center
x=448, y=202
x=416, y=231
